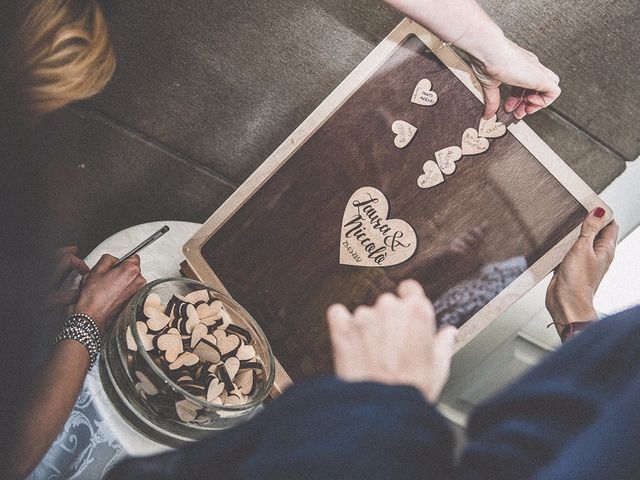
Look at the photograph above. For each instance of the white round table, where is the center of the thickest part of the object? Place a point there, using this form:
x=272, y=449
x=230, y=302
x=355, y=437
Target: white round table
x=96, y=437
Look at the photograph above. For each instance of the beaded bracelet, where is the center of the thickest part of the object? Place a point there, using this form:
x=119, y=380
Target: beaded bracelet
x=83, y=329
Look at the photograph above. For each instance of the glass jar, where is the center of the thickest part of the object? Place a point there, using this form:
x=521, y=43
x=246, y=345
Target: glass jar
x=146, y=390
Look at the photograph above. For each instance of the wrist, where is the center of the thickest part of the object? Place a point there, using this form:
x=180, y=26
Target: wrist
x=94, y=313
x=565, y=312
x=82, y=329
x=487, y=44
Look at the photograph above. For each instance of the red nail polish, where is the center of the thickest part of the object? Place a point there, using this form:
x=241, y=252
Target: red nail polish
x=599, y=213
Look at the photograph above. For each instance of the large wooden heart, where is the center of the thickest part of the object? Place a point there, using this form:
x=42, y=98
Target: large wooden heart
x=368, y=238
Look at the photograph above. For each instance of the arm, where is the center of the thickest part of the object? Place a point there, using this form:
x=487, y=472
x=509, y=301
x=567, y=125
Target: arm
x=575, y=281
x=104, y=292
x=495, y=59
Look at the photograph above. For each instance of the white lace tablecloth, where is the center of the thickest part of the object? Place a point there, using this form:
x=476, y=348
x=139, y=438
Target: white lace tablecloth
x=95, y=437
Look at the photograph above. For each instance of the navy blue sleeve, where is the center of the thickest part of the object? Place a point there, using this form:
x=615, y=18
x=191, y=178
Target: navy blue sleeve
x=581, y=393
x=320, y=429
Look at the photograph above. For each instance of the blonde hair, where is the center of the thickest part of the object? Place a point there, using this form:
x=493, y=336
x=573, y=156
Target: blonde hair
x=64, y=53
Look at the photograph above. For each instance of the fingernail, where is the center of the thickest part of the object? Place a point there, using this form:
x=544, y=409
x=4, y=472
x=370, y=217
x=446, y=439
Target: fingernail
x=599, y=213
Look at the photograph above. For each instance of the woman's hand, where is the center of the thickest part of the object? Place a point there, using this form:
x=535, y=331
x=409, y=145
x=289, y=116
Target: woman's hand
x=66, y=262
x=393, y=342
x=533, y=86
x=105, y=290
x=495, y=59
x=575, y=281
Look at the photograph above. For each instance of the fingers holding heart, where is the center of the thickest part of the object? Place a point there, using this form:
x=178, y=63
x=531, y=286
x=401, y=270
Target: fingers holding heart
x=491, y=128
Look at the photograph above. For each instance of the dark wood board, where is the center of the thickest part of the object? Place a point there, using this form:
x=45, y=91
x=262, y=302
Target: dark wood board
x=278, y=254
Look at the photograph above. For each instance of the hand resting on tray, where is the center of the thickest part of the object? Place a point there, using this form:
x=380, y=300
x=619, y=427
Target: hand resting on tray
x=575, y=281
x=394, y=342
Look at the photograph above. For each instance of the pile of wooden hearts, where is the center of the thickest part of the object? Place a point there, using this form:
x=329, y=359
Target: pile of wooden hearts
x=194, y=340
x=473, y=141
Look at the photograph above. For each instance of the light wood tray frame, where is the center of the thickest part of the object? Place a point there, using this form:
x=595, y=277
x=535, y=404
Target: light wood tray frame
x=197, y=267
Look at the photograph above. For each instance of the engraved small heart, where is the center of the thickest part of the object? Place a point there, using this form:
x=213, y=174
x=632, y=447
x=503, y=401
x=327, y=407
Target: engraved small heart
x=368, y=238
x=423, y=95
x=447, y=158
x=432, y=175
x=404, y=133
x=472, y=144
x=491, y=128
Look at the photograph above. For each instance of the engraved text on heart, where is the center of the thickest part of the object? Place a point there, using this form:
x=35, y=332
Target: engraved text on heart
x=368, y=238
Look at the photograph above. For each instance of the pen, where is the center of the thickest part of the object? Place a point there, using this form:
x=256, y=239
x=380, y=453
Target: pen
x=143, y=244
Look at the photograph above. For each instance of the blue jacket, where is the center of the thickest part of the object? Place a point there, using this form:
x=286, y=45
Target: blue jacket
x=575, y=416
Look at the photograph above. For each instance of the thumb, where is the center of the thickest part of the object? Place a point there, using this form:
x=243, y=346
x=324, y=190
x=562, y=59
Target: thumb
x=591, y=226
x=443, y=344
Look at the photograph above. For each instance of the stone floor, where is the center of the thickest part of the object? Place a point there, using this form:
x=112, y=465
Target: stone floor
x=205, y=91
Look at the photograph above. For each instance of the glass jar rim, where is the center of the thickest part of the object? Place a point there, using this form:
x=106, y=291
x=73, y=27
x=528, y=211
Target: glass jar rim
x=156, y=369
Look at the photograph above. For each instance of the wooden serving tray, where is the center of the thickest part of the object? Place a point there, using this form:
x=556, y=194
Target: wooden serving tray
x=275, y=244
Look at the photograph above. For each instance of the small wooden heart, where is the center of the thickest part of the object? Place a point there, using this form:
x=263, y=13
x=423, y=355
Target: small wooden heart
x=146, y=384
x=186, y=410
x=226, y=343
x=404, y=133
x=186, y=358
x=192, y=318
x=157, y=319
x=214, y=389
x=245, y=381
x=472, y=144
x=491, y=128
x=368, y=238
x=447, y=158
x=423, y=95
x=151, y=303
x=232, y=364
x=198, y=333
x=171, y=345
x=432, y=175
x=208, y=314
x=198, y=296
x=246, y=352
x=145, y=338
x=207, y=351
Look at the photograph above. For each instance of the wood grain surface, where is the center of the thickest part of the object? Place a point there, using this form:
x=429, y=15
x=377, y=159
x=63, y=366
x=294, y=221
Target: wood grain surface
x=279, y=254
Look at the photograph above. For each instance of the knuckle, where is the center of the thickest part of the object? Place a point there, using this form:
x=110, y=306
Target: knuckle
x=361, y=312
x=386, y=300
x=131, y=268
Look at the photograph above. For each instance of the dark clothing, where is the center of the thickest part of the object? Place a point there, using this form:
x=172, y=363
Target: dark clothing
x=575, y=416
